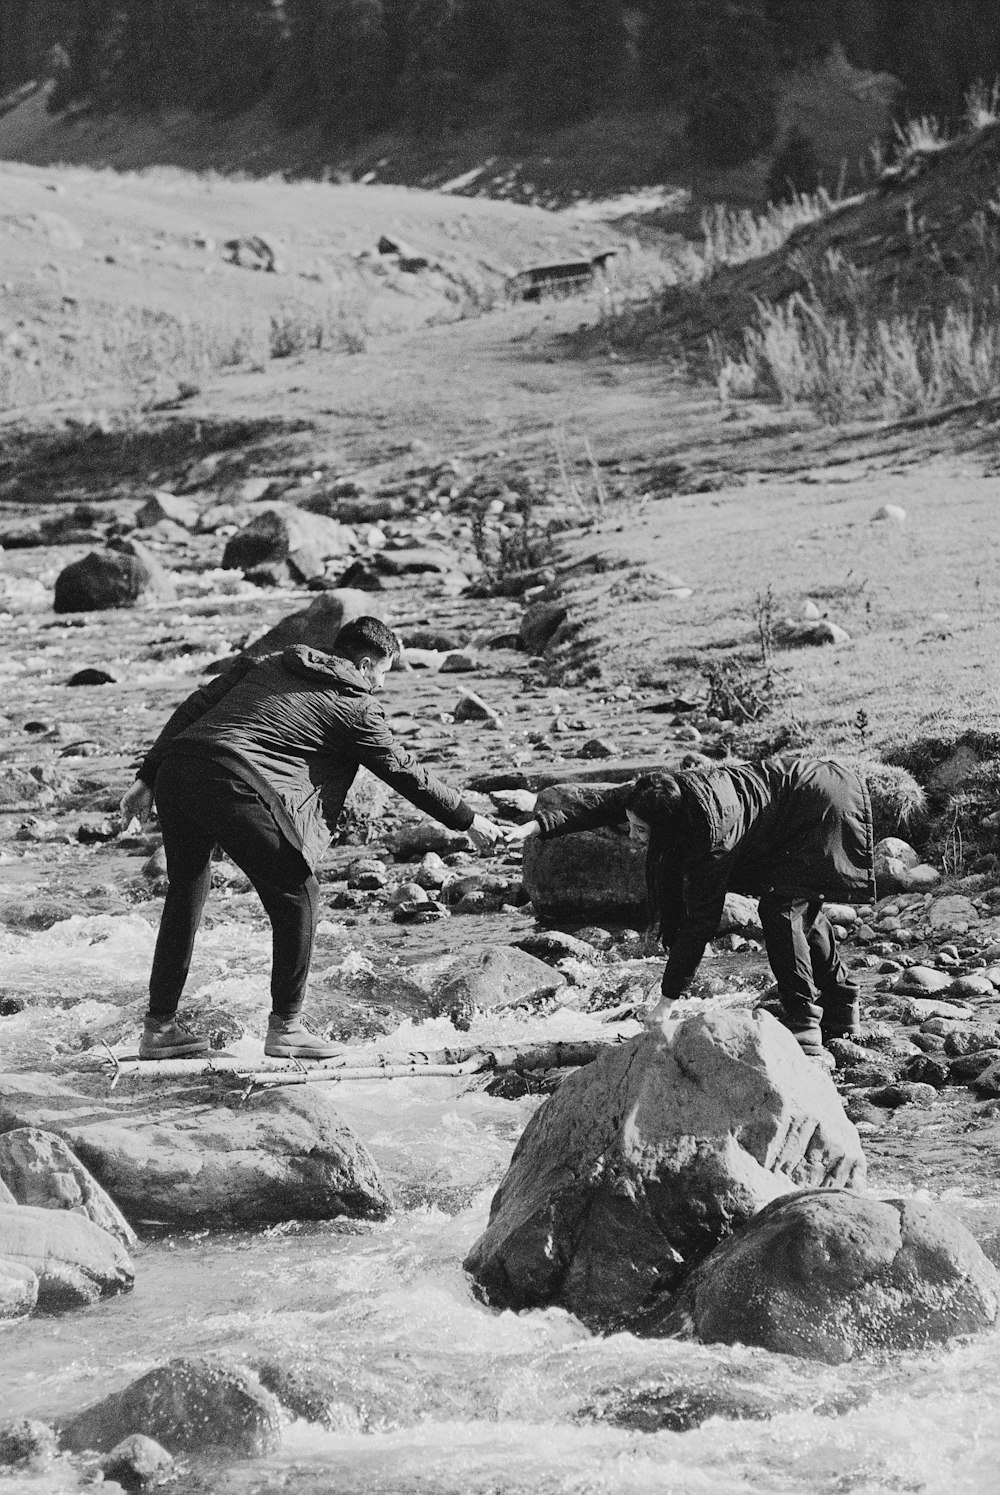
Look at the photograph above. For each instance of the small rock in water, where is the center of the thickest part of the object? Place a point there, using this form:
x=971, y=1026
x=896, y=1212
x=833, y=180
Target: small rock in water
x=902, y=1093
x=92, y=676
x=426, y=912
x=26, y=1439
x=137, y=1463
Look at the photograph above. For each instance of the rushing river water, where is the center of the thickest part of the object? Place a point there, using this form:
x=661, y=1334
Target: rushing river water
x=425, y=1388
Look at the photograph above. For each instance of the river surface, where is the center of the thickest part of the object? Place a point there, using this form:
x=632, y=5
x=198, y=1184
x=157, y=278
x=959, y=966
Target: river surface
x=425, y=1389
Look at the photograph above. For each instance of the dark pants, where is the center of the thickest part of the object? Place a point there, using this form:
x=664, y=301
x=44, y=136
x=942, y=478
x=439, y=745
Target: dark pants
x=802, y=950
x=201, y=806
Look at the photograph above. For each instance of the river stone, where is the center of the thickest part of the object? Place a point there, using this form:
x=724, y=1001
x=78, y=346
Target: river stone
x=170, y=1154
x=740, y=916
x=187, y=1406
x=39, y=1169
x=18, y=1290
x=922, y=980
x=540, y=623
x=137, y=1463
x=499, y=976
x=317, y=625
x=833, y=1275
x=898, y=850
x=76, y=1262
x=971, y=986
x=284, y=536
x=951, y=911
x=641, y=1162
x=162, y=505
x=110, y=579
x=26, y=1438
x=589, y=877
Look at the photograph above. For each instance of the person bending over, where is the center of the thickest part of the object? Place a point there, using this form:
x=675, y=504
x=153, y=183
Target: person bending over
x=790, y=833
x=259, y=762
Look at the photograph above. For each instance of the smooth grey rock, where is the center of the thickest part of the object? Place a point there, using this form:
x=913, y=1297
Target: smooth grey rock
x=187, y=1406
x=168, y=1155
x=137, y=1463
x=76, y=1262
x=499, y=976
x=832, y=1275
x=39, y=1169
x=283, y=535
x=590, y=876
x=644, y=1160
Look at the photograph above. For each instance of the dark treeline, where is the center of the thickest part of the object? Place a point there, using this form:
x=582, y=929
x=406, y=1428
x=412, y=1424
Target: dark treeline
x=356, y=65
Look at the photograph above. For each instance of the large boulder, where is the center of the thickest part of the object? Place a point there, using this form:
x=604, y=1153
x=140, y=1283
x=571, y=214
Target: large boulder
x=642, y=1162
x=589, y=877
x=832, y=1276
x=193, y=1158
x=317, y=625
x=287, y=539
x=40, y=1170
x=497, y=976
x=187, y=1406
x=76, y=1262
x=112, y=578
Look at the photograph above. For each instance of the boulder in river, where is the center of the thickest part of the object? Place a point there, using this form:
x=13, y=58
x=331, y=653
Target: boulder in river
x=76, y=1262
x=39, y=1169
x=832, y=1275
x=591, y=876
x=137, y=1463
x=643, y=1161
x=283, y=536
x=498, y=976
x=166, y=1156
x=187, y=1406
x=111, y=578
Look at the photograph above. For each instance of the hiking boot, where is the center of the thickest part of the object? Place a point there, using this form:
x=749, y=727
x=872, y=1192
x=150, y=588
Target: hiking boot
x=809, y=1039
x=842, y=1013
x=288, y=1038
x=166, y=1038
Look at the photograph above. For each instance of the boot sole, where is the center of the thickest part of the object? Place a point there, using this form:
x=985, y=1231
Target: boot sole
x=295, y=1052
x=176, y=1053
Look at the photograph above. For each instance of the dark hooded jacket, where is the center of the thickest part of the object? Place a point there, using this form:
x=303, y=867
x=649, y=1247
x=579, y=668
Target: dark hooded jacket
x=296, y=726
x=800, y=829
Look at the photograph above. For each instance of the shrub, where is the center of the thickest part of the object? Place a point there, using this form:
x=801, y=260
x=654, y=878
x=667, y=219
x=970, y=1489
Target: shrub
x=730, y=82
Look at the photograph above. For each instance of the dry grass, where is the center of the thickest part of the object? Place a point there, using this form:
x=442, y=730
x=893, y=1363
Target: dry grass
x=733, y=236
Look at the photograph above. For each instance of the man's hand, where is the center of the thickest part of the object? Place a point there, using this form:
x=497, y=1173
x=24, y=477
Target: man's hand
x=136, y=804
x=516, y=834
x=483, y=833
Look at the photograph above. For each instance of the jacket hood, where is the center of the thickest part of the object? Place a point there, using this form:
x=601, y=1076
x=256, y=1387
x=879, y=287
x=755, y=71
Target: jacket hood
x=329, y=670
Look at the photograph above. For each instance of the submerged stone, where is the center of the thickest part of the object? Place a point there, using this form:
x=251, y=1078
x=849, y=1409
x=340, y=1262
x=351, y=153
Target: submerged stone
x=76, y=1263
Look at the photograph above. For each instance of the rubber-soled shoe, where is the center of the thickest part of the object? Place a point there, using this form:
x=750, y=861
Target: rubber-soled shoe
x=166, y=1038
x=289, y=1038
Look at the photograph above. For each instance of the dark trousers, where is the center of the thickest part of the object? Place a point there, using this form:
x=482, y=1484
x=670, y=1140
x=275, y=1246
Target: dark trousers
x=201, y=806
x=802, y=950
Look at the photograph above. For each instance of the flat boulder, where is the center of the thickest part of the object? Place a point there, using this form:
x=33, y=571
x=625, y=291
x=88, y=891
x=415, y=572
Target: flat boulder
x=173, y=1155
x=187, y=1406
x=40, y=1170
x=643, y=1161
x=112, y=578
x=495, y=977
x=76, y=1263
x=836, y=1276
x=589, y=877
x=287, y=538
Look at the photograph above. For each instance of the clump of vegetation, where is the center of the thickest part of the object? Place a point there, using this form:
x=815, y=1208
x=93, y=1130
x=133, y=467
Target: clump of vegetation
x=795, y=169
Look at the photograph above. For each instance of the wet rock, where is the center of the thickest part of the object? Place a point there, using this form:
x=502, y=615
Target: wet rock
x=986, y=1083
x=407, y=892
x=426, y=911
x=970, y=1038
x=26, y=1440
x=285, y=537
x=416, y=840
x=871, y=1073
x=317, y=625
x=76, y=1262
x=921, y=980
x=953, y=911
x=417, y=559
x=679, y=1408
x=971, y=986
x=516, y=803
x=835, y=1276
x=432, y=872
x=40, y=1170
x=188, y=1406
x=553, y=945
x=592, y=876
x=367, y=875
x=499, y=976
x=18, y=1291
x=164, y=1156
x=137, y=1463
x=927, y=1069
x=92, y=675
x=111, y=579
x=600, y=747
x=361, y=577
x=645, y=1159
x=155, y=866
x=902, y=1093
x=540, y=623
x=459, y=662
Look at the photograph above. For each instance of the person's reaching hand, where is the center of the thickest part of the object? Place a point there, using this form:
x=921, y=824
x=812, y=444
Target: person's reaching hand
x=483, y=833
x=136, y=804
x=514, y=835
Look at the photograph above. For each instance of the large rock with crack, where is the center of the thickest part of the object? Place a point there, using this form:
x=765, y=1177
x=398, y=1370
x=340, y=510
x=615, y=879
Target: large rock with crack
x=188, y=1406
x=75, y=1262
x=194, y=1155
x=590, y=876
x=290, y=539
x=641, y=1163
x=832, y=1276
x=39, y=1169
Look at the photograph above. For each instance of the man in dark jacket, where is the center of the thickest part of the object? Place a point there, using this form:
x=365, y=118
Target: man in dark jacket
x=260, y=762
x=791, y=834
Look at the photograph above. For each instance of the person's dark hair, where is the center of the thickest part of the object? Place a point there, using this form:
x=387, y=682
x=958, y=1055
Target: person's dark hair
x=657, y=800
x=366, y=638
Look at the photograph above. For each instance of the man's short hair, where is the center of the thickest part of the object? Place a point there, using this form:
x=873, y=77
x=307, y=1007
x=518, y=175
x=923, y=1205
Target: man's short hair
x=367, y=638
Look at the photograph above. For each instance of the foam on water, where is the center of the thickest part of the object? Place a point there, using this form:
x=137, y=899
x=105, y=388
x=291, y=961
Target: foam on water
x=426, y=1388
